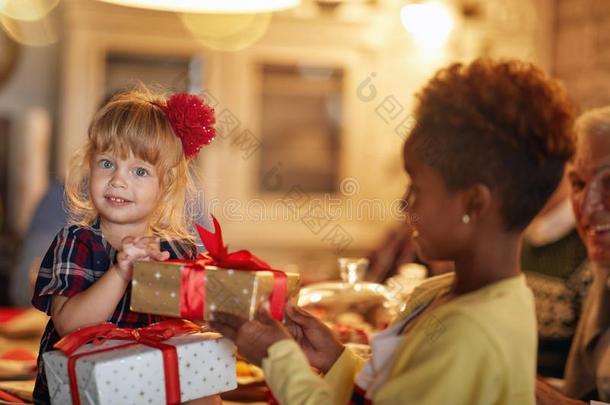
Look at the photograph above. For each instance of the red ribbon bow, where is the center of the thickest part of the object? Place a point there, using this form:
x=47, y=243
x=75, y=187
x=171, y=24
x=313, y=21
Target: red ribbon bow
x=192, y=292
x=152, y=335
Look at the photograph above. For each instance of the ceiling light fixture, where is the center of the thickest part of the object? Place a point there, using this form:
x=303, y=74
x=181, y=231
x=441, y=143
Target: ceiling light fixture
x=210, y=6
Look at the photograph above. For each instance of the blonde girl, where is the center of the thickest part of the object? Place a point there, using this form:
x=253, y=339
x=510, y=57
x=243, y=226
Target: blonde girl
x=125, y=191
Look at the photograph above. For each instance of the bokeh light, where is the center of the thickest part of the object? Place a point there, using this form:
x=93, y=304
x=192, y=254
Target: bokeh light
x=41, y=32
x=27, y=10
x=227, y=32
x=430, y=23
x=211, y=6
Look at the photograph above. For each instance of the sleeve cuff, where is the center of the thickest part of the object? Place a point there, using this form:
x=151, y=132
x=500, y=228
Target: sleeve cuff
x=290, y=377
x=342, y=375
x=283, y=348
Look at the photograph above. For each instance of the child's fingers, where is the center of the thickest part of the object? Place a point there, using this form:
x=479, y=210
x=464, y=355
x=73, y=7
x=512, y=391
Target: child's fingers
x=229, y=319
x=293, y=313
x=262, y=315
x=298, y=311
x=298, y=315
x=154, y=252
x=226, y=330
x=151, y=244
x=143, y=241
x=128, y=240
x=294, y=329
x=152, y=240
x=160, y=256
x=122, y=256
x=227, y=324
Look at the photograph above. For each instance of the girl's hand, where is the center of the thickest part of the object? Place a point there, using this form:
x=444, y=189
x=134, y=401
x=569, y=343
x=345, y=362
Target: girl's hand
x=141, y=248
x=318, y=342
x=252, y=338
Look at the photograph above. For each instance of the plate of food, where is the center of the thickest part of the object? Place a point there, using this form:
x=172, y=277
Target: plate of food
x=251, y=385
x=248, y=374
x=22, y=390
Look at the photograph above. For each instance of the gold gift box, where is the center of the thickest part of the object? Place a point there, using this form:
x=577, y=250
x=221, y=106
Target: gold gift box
x=156, y=289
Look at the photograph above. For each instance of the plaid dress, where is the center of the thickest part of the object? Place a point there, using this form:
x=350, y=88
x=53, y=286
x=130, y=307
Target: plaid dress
x=77, y=257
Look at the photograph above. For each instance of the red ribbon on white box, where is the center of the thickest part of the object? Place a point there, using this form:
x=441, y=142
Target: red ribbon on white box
x=153, y=335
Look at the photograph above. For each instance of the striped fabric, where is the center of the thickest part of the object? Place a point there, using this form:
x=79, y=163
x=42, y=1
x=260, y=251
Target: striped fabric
x=77, y=257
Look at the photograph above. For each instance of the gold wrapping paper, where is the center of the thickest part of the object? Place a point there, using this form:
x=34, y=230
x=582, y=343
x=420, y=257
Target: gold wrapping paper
x=156, y=289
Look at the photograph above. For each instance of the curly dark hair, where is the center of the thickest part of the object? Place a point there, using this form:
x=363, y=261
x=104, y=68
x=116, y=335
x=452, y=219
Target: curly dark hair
x=501, y=123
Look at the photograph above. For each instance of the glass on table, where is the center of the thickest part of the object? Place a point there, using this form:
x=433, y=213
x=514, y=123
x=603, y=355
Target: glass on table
x=352, y=307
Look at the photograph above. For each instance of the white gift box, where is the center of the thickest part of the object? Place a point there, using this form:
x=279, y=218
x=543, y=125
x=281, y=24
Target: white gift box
x=135, y=374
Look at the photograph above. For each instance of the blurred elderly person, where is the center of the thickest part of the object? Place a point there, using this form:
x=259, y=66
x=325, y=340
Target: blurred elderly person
x=588, y=366
x=552, y=258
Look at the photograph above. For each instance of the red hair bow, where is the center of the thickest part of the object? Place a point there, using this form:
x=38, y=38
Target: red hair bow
x=192, y=121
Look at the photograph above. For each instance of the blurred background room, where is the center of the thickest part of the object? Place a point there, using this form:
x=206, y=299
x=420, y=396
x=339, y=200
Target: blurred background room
x=312, y=101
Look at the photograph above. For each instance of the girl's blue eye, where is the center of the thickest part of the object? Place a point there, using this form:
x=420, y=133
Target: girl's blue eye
x=105, y=164
x=141, y=172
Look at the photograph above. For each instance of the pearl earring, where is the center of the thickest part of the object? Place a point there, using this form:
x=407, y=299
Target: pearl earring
x=466, y=218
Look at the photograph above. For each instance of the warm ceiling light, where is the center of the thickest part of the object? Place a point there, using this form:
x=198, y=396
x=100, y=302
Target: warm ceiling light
x=27, y=10
x=210, y=6
x=429, y=22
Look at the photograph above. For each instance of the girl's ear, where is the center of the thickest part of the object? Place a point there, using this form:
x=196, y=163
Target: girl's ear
x=478, y=201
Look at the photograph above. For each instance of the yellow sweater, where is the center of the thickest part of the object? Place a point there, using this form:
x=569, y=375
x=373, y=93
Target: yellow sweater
x=479, y=348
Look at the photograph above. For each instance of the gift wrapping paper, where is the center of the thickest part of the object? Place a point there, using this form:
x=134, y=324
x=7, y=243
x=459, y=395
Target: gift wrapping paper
x=157, y=289
x=135, y=374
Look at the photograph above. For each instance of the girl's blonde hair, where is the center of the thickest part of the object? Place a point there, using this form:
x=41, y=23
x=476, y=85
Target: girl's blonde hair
x=133, y=123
